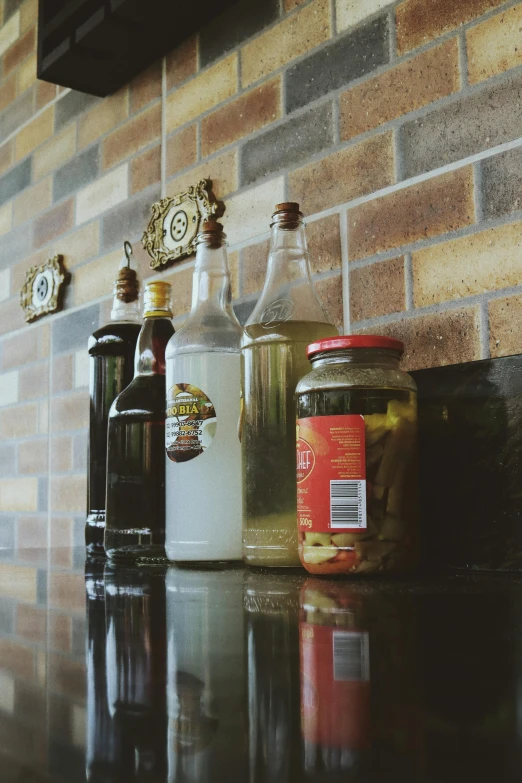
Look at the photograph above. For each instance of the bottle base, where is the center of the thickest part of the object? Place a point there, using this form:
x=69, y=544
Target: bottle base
x=266, y=557
x=127, y=546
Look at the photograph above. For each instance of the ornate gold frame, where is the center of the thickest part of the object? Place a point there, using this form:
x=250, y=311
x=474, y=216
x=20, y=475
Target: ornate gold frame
x=171, y=234
x=42, y=291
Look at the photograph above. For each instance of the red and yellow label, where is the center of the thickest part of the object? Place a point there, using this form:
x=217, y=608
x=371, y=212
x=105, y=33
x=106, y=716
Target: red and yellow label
x=331, y=473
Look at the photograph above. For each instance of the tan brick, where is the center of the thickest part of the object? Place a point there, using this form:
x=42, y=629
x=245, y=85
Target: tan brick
x=18, y=494
x=468, y=266
x=182, y=62
x=31, y=623
x=103, y=117
x=57, y=151
x=70, y=412
x=61, y=454
x=505, y=326
x=222, y=170
x=45, y=92
x=6, y=218
x=19, y=422
x=6, y=155
x=28, y=14
x=209, y=88
x=7, y=92
x=62, y=373
x=54, y=223
x=102, y=194
x=436, y=340
x=67, y=591
x=330, y=293
x=292, y=37
x=291, y=4
x=11, y=315
x=351, y=12
x=324, y=244
x=17, y=659
x=44, y=332
x=68, y=493
x=437, y=206
x=145, y=169
x=18, y=350
x=137, y=133
x=34, y=381
x=246, y=114
x=377, y=289
x=419, y=22
x=9, y=32
x=254, y=261
x=233, y=265
x=67, y=677
x=61, y=542
x=18, y=582
x=32, y=456
x=60, y=632
x=494, y=46
x=26, y=75
x=32, y=539
x=80, y=245
x=146, y=87
x=96, y=278
x=34, y=134
x=181, y=150
x=19, y=270
x=19, y=51
x=345, y=175
x=43, y=417
x=410, y=85
x=33, y=200
x=248, y=213
x=181, y=290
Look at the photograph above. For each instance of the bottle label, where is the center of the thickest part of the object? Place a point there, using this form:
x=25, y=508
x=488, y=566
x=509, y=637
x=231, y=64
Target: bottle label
x=190, y=426
x=331, y=474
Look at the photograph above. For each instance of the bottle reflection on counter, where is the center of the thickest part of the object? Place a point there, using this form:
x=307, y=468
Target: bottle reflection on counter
x=272, y=648
x=206, y=676
x=136, y=671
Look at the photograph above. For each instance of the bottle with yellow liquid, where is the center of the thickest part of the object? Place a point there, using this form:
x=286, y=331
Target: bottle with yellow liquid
x=287, y=318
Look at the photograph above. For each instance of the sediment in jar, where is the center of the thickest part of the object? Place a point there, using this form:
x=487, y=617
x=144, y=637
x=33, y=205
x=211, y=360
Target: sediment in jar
x=389, y=542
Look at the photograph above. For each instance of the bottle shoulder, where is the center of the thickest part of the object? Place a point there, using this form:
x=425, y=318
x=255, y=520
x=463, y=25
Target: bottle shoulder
x=304, y=332
x=211, y=334
x=112, y=334
x=143, y=397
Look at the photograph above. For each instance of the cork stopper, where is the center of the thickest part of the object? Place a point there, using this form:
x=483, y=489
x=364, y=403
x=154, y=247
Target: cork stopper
x=157, y=299
x=211, y=234
x=127, y=284
x=287, y=215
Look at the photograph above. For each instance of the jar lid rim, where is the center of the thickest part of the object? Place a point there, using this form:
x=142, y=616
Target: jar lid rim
x=354, y=341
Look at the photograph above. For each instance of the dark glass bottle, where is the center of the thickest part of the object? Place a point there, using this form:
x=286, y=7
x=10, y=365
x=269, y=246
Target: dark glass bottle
x=135, y=525
x=111, y=351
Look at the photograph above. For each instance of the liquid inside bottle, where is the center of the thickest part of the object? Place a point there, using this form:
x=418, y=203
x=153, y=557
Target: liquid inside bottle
x=135, y=524
x=287, y=318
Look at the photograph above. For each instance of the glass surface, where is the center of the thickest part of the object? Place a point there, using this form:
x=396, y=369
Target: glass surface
x=170, y=675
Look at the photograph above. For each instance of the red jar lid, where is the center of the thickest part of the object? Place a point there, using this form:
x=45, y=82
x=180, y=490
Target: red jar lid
x=354, y=341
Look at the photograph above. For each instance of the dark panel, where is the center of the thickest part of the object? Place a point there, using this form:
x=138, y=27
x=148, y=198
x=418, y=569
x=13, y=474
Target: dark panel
x=470, y=436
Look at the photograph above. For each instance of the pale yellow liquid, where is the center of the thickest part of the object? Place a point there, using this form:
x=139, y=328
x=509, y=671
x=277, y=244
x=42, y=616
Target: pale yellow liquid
x=274, y=361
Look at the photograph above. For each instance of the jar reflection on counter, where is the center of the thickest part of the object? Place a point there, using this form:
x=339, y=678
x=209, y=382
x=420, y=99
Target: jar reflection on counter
x=357, y=459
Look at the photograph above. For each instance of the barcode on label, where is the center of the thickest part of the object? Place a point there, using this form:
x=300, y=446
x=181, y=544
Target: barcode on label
x=348, y=504
x=351, y=656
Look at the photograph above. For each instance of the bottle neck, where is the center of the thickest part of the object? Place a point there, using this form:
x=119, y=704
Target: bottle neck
x=150, y=348
x=125, y=311
x=362, y=357
x=211, y=289
x=288, y=258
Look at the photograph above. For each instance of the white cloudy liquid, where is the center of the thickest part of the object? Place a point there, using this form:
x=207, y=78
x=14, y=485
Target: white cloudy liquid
x=204, y=494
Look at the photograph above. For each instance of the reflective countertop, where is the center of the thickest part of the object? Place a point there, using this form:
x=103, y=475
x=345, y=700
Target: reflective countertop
x=228, y=674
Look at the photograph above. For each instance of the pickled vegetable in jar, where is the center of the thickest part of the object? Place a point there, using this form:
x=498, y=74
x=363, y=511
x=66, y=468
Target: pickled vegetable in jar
x=357, y=458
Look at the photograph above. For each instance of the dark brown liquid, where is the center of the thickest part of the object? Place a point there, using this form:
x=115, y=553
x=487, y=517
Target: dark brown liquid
x=111, y=350
x=135, y=525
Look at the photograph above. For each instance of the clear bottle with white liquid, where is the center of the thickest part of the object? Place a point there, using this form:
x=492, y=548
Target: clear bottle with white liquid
x=203, y=466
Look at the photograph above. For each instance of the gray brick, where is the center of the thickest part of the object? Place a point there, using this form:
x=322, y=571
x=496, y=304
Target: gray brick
x=76, y=173
x=348, y=58
x=288, y=144
x=18, y=112
x=80, y=453
x=70, y=106
x=10, y=7
x=14, y=247
x=129, y=220
x=7, y=537
x=482, y=120
x=72, y=331
x=502, y=183
x=15, y=181
x=41, y=586
x=78, y=637
x=7, y=616
x=234, y=26
x=79, y=540
x=7, y=460
x=43, y=494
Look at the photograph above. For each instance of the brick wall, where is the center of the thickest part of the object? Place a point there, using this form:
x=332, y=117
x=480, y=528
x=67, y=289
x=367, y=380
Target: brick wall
x=398, y=126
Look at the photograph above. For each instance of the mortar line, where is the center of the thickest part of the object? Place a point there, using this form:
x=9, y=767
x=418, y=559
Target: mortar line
x=408, y=282
x=484, y=330
x=463, y=60
x=163, y=163
x=345, y=270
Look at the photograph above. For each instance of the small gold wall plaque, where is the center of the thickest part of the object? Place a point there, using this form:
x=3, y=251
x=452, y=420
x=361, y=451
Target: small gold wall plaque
x=174, y=225
x=43, y=287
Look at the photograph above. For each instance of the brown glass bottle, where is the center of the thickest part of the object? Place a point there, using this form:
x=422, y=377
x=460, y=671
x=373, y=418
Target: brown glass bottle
x=111, y=351
x=135, y=521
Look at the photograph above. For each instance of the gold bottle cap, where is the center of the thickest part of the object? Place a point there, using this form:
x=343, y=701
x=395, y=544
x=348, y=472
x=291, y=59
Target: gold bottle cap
x=157, y=299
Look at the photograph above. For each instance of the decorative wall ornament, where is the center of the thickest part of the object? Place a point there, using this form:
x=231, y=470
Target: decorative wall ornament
x=42, y=291
x=174, y=225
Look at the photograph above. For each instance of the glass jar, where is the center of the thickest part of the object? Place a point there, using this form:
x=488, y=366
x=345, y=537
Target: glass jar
x=357, y=458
